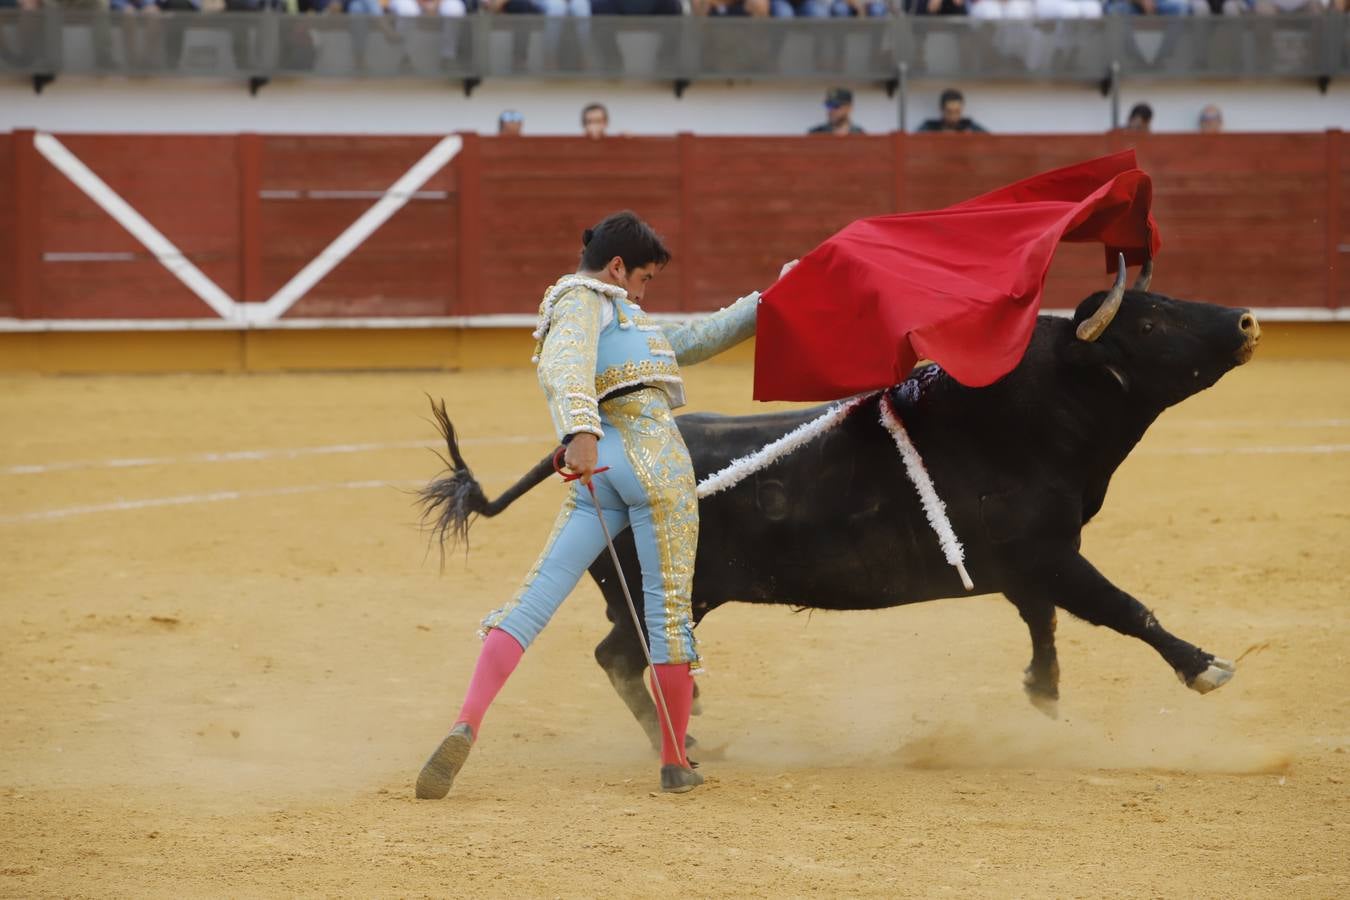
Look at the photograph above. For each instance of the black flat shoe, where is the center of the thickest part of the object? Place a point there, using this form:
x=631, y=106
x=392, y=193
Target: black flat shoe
x=678, y=780
x=440, y=770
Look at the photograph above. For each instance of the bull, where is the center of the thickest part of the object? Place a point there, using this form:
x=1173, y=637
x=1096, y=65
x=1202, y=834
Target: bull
x=1022, y=465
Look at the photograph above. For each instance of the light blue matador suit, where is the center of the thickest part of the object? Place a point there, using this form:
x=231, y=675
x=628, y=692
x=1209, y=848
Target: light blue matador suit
x=608, y=369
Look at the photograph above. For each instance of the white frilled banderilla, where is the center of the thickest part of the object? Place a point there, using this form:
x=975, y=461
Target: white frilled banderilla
x=933, y=507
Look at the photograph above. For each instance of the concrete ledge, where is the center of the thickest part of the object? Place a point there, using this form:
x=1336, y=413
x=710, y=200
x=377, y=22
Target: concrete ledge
x=114, y=352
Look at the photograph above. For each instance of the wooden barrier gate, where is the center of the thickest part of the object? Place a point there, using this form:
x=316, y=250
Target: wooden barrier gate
x=99, y=231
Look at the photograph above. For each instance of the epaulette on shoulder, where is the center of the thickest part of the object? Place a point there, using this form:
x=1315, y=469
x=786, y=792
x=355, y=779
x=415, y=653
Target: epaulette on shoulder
x=554, y=293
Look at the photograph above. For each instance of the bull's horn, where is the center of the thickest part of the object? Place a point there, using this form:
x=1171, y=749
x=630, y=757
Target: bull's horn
x=1092, y=327
x=1145, y=276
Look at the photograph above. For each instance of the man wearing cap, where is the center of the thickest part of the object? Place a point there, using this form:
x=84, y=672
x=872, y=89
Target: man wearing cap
x=510, y=122
x=839, y=111
x=952, y=105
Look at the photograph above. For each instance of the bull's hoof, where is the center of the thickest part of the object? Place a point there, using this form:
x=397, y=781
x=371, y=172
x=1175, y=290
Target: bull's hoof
x=1219, y=673
x=1045, y=703
x=438, y=774
x=1042, y=692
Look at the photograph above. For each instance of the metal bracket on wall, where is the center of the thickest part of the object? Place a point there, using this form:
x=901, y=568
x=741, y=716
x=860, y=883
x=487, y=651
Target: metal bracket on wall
x=42, y=79
x=257, y=83
x=1323, y=82
x=681, y=85
x=897, y=89
x=470, y=83
x=1110, y=87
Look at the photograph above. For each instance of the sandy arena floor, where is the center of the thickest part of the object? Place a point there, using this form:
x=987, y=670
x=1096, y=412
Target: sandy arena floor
x=222, y=673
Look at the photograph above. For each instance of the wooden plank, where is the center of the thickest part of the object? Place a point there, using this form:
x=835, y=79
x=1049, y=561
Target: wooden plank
x=135, y=285
x=469, y=187
x=343, y=162
x=538, y=196
x=898, y=171
x=249, y=150
x=9, y=248
x=187, y=186
x=687, y=260
x=1334, y=231
x=27, y=205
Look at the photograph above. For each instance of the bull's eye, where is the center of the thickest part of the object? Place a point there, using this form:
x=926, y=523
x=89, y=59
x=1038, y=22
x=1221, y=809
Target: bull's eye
x=1145, y=326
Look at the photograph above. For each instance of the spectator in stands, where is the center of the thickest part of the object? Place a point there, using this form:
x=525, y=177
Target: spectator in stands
x=1141, y=118
x=510, y=123
x=637, y=7
x=450, y=8
x=821, y=9
x=27, y=34
x=595, y=121
x=140, y=30
x=540, y=7
x=1002, y=9
x=297, y=47
x=453, y=37
x=754, y=8
x=1211, y=120
x=1037, y=9
x=99, y=30
x=1281, y=7
x=952, y=103
x=1068, y=9
x=1153, y=7
x=143, y=32
x=838, y=113
x=936, y=7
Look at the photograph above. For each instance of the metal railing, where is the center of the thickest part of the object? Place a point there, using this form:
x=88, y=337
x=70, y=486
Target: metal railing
x=53, y=41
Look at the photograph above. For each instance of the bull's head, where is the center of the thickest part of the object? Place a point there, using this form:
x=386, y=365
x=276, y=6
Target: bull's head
x=1157, y=349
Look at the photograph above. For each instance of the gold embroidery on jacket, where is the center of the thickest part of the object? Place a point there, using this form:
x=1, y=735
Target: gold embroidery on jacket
x=636, y=373
x=567, y=361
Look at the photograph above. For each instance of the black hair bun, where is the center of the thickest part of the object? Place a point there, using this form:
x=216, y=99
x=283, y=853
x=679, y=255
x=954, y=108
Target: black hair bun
x=586, y=236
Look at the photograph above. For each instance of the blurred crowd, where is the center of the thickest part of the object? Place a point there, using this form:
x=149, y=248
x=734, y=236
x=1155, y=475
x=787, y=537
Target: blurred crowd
x=951, y=118
x=811, y=9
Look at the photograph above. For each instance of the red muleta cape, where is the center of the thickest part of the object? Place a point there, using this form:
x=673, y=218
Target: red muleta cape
x=960, y=286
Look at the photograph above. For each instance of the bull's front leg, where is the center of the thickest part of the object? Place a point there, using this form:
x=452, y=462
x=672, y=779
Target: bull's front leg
x=625, y=669
x=1041, y=679
x=620, y=652
x=1084, y=592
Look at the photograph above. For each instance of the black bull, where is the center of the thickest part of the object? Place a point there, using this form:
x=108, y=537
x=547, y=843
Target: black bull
x=1022, y=466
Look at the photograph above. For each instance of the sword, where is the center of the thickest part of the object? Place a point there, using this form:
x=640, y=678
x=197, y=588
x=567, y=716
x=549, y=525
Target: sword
x=632, y=608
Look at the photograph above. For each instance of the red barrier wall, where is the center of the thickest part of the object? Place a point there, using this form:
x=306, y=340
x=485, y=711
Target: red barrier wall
x=9, y=255
x=1247, y=219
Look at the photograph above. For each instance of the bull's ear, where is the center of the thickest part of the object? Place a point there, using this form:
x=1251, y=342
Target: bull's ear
x=1090, y=359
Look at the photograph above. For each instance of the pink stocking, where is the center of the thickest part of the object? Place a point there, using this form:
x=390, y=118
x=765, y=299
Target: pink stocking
x=500, y=654
x=678, y=686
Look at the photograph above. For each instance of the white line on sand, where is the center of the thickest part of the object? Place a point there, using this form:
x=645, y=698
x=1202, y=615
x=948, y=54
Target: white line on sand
x=268, y=453
x=218, y=496
x=48, y=515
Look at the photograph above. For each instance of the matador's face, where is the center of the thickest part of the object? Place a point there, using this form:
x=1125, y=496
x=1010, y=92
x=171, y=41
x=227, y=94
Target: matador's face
x=634, y=281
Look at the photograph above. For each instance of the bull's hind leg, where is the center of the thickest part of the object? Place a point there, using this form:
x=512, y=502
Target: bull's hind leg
x=1041, y=679
x=1083, y=591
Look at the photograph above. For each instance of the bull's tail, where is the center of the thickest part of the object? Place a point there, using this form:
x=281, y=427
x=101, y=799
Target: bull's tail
x=451, y=502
